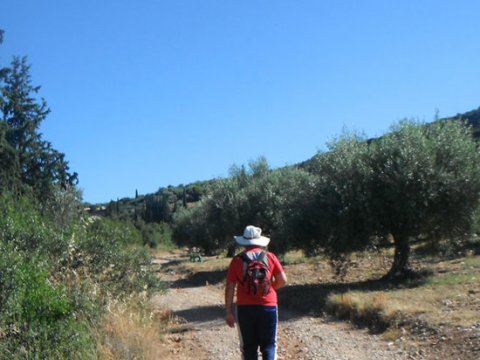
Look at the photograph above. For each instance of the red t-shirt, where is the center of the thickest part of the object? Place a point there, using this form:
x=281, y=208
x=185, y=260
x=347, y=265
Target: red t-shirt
x=236, y=273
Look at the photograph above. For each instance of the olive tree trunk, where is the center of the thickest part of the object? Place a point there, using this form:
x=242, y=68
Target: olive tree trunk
x=400, y=266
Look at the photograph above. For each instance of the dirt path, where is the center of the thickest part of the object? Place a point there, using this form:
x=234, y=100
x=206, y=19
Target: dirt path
x=201, y=333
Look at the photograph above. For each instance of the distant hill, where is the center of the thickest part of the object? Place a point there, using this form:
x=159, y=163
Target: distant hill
x=472, y=118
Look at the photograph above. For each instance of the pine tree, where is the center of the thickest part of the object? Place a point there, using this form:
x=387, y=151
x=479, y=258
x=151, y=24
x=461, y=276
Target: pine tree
x=39, y=165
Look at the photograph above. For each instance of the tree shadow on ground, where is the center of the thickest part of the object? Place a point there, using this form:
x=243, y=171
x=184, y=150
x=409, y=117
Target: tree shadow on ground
x=302, y=300
x=202, y=314
x=200, y=278
x=296, y=300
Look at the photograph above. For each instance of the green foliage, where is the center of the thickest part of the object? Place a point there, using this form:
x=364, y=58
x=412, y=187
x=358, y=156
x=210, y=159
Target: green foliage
x=29, y=160
x=426, y=183
x=420, y=181
x=58, y=268
x=276, y=200
x=432, y=172
x=210, y=223
x=63, y=208
x=108, y=251
x=37, y=319
x=256, y=196
x=337, y=213
x=22, y=226
x=156, y=235
x=189, y=228
x=9, y=164
x=55, y=283
x=159, y=207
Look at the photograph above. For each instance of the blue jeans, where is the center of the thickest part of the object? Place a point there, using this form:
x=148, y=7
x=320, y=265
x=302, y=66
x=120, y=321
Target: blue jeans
x=258, y=329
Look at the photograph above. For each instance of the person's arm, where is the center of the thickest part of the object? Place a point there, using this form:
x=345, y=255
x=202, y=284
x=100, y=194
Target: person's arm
x=229, y=293
x=279, y=280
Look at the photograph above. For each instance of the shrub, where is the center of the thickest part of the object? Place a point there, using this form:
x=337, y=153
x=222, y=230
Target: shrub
x=56, y=281
x=37, y=319
x=107, y=250
x=156, y=235
x=23, y=226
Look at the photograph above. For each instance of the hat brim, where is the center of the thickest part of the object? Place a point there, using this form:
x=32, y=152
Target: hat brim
x=261, y=241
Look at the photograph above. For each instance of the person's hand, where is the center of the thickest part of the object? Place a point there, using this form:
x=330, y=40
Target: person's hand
x=230, y=320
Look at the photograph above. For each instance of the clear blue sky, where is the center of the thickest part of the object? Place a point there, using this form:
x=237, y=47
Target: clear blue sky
x=150, y=93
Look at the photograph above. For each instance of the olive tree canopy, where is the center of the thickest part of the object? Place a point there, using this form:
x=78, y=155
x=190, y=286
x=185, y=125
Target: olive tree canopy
x=417, y=181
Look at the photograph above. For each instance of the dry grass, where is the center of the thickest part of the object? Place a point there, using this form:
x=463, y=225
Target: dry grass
x=212, y=263
x=295, y=257
x=133, y=330
x=183, y=264
x=449, y=296
x=392, y=334
x=366, y=312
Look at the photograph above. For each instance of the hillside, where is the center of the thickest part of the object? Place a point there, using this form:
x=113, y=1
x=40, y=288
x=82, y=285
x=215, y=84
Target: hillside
x=472, y=118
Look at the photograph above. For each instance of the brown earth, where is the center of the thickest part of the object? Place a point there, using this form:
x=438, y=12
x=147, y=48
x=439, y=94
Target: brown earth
x=198, y=331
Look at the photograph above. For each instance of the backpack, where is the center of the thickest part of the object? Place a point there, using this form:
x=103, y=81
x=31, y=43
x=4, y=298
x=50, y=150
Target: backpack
x=256, y=277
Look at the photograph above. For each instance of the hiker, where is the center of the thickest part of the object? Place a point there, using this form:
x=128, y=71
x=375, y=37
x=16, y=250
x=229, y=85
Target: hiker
x=256, y=274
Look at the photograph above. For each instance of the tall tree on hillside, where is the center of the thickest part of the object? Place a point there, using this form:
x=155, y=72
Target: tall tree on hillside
x=158, y=207
x=40, y=166
x=8, y=160
x=9, y=166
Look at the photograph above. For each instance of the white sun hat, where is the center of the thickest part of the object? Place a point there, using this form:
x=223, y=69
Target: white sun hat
x=252, y=235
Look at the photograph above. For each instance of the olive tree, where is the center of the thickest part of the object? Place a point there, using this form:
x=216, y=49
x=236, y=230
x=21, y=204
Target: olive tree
x=257, y=195
x=227, y=208
x=281, y=197
x=210, y=222
x=425, y=181
x=336, y=210
x=417, y=181
x=268, y=199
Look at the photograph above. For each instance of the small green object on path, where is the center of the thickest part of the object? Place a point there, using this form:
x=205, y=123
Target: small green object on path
x=196, y=257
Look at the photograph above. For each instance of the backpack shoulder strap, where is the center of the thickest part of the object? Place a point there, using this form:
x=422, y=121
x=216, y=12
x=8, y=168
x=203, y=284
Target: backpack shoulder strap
x=262, y=256
x=244, y=257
